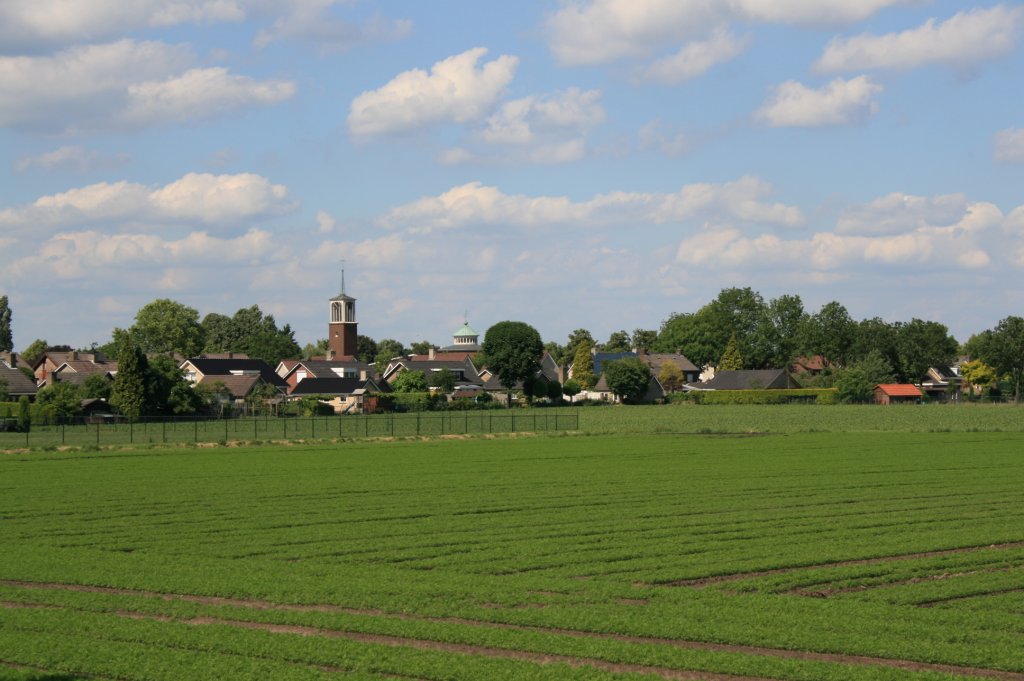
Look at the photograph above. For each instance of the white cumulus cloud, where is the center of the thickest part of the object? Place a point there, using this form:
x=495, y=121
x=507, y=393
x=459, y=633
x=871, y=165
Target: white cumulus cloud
x=220, y=201
x=71, y=158
x=960, y=42
x=601, y=31
x=122, y=84
x=694, y=59
x=840, y=102
x=743, y=201
x=456, y=90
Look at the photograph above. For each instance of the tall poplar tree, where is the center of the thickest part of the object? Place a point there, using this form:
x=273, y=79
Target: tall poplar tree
x=583, y=366
x=6, y=337
x=129, y=391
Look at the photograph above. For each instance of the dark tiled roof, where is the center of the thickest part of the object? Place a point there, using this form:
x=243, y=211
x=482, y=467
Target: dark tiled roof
x=321, y=368
x=223, y=367
x=237, y=386
x=332, y=386
x=656, y=360
x=18, y=384
x=753, y=379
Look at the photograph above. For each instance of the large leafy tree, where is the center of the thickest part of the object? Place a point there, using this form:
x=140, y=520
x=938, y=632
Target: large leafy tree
x=443, y=380
x=167, y=391
x=1003, y=349
x=671, y=377
x=644, y=339
x=977, y=376
x=6, y=336
x=65, y=397
x=366, y=349
x=856, y=382
x=219, y=331
x=618, y=341
x=251, y=332
x=922, y=345
x=513, y=351
x=628, y=378
x=830, y=332
x=785, y=315
x=577, y=338
x=876, y=335
x=34, y=350
x=389, y=348
x=165, y=325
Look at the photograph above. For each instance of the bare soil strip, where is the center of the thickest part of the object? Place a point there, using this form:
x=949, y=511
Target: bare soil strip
x=737, y=576
x=950, y=599
x=828, y=592
x=543, y=658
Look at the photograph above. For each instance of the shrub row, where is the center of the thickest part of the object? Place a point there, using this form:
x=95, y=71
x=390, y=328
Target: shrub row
x=803, y=395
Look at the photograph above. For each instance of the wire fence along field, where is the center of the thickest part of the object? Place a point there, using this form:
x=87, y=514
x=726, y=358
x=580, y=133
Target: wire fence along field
x=196, y=430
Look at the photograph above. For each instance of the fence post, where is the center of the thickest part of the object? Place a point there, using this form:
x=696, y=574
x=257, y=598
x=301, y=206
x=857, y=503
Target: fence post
x=417, y=423
x=97, y=434
x=131, y=431
x=62, y=433
x=195, y=428
x=312, y=427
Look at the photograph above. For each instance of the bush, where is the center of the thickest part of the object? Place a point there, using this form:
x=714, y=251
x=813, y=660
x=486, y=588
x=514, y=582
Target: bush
x=798, y=396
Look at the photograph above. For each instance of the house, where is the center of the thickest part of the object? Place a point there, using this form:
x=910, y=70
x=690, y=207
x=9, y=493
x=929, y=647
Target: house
x=897, y=393
x=463, y=369
x=204, y=368
x=658, y=360
x=942, y=384
x=305, y=370
x=47, y=362
x=77, y=370
x=348, y=395
x=18, y=384
x=811, y=366
x=753, y=379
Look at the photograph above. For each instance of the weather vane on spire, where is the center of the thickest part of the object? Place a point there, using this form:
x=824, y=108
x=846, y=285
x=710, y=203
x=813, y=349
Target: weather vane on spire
x=342, y=276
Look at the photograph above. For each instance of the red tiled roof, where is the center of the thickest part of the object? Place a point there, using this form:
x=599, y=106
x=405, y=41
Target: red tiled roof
x=899, y=389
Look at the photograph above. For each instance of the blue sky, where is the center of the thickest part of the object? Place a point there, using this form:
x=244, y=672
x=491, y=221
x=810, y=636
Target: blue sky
x=595, y=164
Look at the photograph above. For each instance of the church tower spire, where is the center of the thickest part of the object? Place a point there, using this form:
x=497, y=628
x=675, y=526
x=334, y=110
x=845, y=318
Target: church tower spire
x=342, y=330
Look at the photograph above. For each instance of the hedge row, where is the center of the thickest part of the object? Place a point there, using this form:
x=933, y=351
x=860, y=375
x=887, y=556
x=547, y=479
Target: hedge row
x=41, y=414
x=803, y=395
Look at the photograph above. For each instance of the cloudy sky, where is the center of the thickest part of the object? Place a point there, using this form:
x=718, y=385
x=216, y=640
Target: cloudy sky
x=594, y=163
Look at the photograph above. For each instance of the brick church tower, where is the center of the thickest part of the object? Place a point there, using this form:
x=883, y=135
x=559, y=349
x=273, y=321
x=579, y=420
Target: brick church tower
x=341, y=331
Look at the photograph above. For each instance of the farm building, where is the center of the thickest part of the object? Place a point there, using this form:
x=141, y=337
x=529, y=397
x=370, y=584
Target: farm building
x=754, y=379
x=897, y=393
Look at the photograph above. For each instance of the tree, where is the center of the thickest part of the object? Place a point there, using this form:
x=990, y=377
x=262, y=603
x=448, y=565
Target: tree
x=977, y=375
x=168, y=392
x=366, y=349
x=577, y=338
x=830, y=333
x=731, y=359
x=34, y=351
x=876, y=334
x=554, y=391
x=617, y=342
x=219, y=332
x=1003, y=349
x=671, y=377
x=644, y=339
x=556, y=351
x=786, y=315
x=165, y=325
x=856, y=382
x=129, y=393
x=65, y=397
x=318, y=349
x=583, y=366
x=24, y=413
x=421, y=347
x=443, y=380
x=922, y=345
x=96, y=386
x=409, y=381
x=6, y=336
x=389, y=348
x=571, y=388
x=5, y=395
x=628, y=378
x=513, y=351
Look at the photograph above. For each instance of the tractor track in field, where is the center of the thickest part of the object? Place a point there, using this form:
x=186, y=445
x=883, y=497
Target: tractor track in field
x=49, y=673
x=700, y=582
x=488, y=651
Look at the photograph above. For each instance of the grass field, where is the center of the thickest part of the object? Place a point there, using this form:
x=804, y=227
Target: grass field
x=791, y=556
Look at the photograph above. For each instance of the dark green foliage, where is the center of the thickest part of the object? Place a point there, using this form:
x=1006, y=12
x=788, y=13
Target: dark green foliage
x=922, y=345
x=554, y=391
x=36, y=348
x=755, y=397
x=628, y=378
x=4, y=394
x=130, y=393
x=421, y=347
x=1002, y=348
x=617, y=342
x=443, y=380
x=513, y=351
x=571, y=388
x=6, y=334
x=643, y=339
x=24, y=413
x=168, y=391
x=65, y=398
x=252, y=333
x=577, y=338
x=96, y=386
x=366, y=349
x=830, y=333
x=389, y=348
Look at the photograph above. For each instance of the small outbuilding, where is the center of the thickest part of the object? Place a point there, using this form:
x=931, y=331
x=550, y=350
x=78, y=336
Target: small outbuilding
x=897, y=393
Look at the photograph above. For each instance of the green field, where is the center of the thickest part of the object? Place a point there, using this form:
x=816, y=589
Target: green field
x=808, y=555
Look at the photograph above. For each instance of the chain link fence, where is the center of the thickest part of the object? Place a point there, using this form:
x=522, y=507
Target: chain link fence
x=122, y=431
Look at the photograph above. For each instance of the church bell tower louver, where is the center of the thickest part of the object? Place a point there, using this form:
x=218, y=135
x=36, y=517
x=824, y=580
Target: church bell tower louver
x=341, y=331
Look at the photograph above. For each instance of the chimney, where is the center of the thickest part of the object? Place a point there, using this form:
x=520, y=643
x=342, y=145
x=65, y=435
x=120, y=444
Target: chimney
x=74, y=355
x=362, y=374
x=433, y=353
